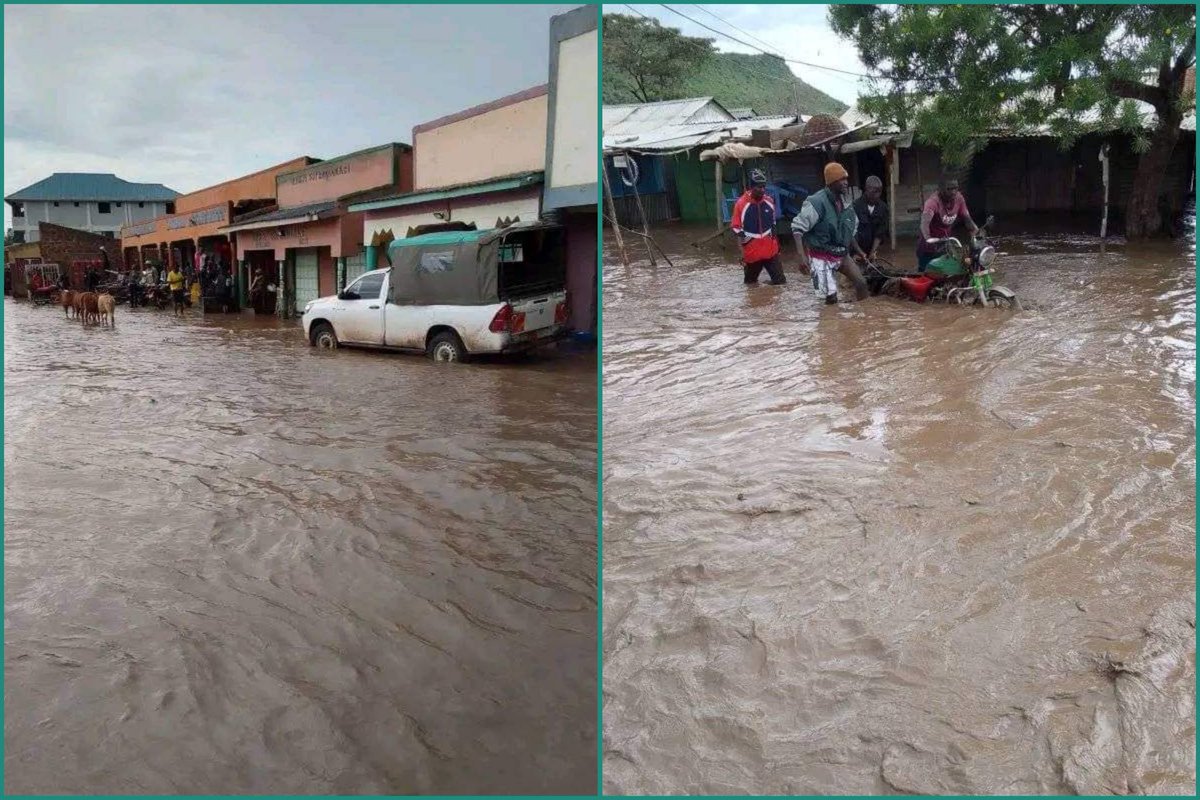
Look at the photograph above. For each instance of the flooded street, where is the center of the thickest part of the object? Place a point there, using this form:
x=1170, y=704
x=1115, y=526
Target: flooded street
x=888, y=548
x=234, y=564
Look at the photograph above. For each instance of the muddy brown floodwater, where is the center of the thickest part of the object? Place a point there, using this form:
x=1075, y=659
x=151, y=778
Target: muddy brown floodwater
x=236, y=565
x=897, y=548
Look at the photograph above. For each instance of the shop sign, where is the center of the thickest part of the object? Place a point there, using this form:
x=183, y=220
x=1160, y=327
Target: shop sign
x=313, y=174
x=267, y=239
x=199, y=218
x=140, y=230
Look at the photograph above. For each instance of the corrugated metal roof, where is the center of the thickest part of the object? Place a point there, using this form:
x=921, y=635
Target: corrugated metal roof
x=287, y=213
x=678, y=125
x=743, y=113
x=518, y=180
x=634, y=119
x=90, y=186
x=853, y=118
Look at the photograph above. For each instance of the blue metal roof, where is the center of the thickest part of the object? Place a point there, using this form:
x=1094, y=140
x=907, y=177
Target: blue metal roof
x=92, y=186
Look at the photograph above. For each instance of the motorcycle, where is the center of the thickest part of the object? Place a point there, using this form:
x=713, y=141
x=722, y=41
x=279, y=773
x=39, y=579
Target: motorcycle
x=952, y=277
x=118, y=287
x=158, y=295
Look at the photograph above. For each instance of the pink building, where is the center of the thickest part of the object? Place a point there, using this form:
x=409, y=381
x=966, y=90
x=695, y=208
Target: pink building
x=307, y=242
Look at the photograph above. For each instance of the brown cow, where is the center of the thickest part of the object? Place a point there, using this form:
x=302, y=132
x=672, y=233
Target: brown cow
x=77, y=303
x=87, y=304
x=106, y=308
x=67, y=298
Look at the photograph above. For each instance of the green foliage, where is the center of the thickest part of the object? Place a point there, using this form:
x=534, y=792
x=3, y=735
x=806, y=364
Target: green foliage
x=645, y=61
x=761, y=81
x=957, y=71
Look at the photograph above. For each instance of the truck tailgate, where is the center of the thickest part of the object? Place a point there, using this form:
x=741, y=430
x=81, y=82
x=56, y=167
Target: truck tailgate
x=539, y=312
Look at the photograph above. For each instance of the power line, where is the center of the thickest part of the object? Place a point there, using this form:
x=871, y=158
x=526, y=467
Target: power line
x=762, y=41
x=736, y=28
x=749, y=71
x=764, y=52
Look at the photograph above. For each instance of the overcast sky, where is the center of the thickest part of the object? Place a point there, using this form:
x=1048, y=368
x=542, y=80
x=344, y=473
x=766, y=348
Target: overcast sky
x=799, y=32
x=189, y=96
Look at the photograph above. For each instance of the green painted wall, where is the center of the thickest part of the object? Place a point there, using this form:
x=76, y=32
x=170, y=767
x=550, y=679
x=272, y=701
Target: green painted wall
x=695, y=185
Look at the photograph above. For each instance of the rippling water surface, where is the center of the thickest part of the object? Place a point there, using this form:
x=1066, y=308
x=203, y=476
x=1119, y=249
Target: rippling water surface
x=889, y=547
x=236, y=565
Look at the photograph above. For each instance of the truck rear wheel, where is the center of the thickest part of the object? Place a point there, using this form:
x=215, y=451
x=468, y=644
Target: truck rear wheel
x=447, y=347
x=323, y=337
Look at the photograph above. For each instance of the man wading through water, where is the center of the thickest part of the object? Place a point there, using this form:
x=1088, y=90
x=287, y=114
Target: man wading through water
x=754, y=225
x=824, y=231
x=872, y=215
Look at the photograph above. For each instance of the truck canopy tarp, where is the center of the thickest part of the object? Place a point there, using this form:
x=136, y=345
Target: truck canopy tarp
x=449, y=267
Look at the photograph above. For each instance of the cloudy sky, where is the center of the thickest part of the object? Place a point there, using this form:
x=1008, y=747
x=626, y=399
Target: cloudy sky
x=798, y=32
x=189, y=96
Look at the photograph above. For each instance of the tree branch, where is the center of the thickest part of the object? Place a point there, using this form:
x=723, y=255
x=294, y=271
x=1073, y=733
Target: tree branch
x=1133, y=90
x=1186, y=59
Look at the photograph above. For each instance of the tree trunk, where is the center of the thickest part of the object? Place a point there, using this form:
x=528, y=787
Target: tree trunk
x=1143, y=217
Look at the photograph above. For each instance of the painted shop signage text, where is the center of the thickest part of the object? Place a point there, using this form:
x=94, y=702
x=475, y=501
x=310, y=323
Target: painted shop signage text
x=199, y=218
x=315, y=175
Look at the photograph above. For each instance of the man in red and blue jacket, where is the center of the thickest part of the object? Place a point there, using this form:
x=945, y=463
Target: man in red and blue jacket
x=754, y=225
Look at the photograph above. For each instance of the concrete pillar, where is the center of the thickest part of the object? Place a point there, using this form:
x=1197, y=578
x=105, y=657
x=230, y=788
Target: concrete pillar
x=279, y=293
x=341, y=274
x=372, y=257
x=242, y=284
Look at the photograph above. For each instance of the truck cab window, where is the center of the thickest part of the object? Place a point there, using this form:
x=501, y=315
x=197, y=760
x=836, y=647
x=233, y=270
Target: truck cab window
x=367, y=287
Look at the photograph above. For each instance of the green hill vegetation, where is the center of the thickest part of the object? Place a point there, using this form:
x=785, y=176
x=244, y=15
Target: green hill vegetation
x=762, y=82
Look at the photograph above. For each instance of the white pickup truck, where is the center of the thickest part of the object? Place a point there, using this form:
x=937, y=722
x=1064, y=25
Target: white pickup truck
x=453, y=295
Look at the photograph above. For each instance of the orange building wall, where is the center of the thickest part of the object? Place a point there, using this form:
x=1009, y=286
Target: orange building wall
x=255, y=186
x=358, y=172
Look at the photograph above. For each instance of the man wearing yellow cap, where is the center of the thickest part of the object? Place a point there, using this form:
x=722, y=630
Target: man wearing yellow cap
x=824, y=230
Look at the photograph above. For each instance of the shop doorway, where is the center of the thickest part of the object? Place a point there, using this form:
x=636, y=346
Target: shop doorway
x=307, y=266
x=262, y=293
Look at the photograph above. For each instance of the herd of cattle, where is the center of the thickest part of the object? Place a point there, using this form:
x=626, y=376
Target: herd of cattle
x=89, y=307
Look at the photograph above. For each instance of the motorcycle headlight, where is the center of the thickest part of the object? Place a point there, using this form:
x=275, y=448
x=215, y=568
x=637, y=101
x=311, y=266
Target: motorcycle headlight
x=986, y=256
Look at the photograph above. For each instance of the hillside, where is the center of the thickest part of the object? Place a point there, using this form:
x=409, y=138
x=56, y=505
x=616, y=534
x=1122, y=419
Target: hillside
x=761, y=82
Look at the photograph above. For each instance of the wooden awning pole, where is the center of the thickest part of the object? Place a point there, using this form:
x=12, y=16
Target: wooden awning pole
x=1104, y=175
x=612, y=215
x=720, y=194
x=893, y=172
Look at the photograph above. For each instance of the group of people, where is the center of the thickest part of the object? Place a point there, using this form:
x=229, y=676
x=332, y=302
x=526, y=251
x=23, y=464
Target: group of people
x=833, y=235
x=139, y=282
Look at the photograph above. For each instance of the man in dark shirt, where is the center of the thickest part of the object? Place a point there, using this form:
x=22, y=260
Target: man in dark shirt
x=872, y=219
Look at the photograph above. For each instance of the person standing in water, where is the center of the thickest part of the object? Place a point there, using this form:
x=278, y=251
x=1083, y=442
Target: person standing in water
x=754, y=225
x=872, y=215
x=824, y=231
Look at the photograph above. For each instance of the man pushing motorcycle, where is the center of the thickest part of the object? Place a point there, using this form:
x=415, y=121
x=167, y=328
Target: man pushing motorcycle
x=824, y=230
x=941, y=212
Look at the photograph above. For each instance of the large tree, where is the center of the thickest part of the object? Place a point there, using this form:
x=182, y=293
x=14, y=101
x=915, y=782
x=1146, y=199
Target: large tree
x=644, y=61
x=955, y=72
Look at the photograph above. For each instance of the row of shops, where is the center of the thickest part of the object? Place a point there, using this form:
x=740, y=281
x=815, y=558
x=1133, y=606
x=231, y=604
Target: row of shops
x=305, y=228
